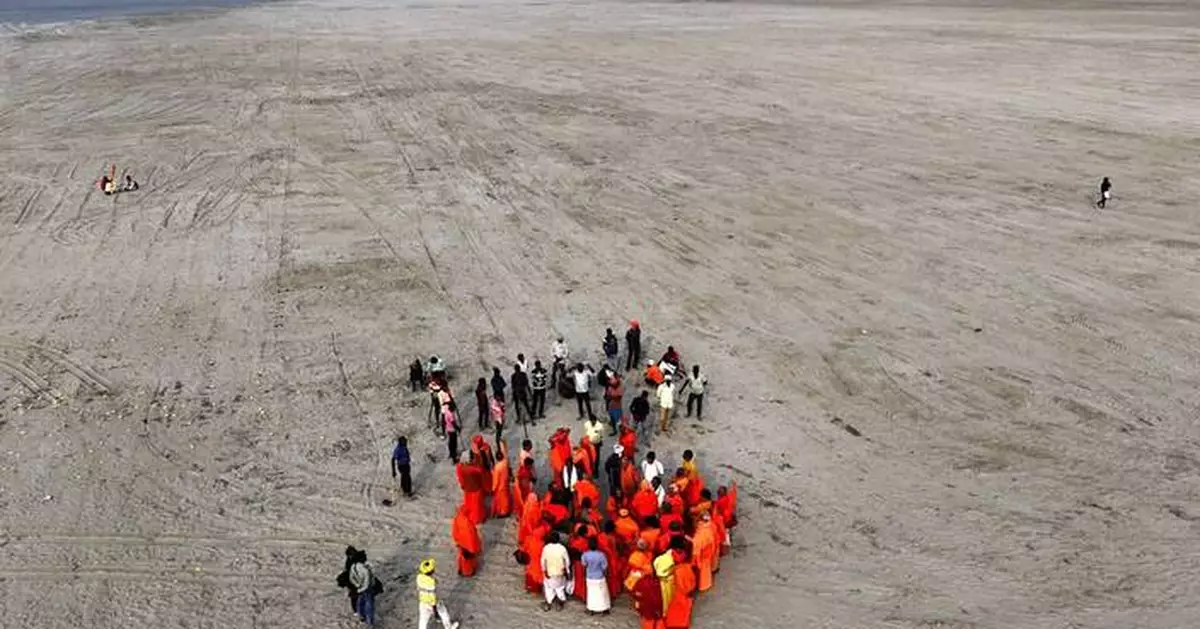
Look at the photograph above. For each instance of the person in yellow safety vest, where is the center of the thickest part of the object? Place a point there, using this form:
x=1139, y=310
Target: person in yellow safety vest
x=427, y=597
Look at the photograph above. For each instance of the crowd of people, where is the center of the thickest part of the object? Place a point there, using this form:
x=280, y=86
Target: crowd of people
x=602, y=526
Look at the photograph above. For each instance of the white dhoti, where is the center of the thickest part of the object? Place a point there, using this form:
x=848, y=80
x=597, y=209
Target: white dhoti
x=555, y=587
x=597, y=596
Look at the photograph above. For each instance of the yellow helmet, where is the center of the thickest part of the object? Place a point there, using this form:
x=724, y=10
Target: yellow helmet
x=428, y=566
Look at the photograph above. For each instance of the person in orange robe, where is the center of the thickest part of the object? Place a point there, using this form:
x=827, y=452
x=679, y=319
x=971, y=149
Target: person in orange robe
x=560, y=451
x=583, y=461
x=722, y=535
x=616, y=560
x=534, y=543
x=631, y=478
x=647, y=600
x=703, y=504
x=526, y=478
x=645, y=502
x=640, y=561
x=472, y=481
x=586, y=489
x=593, y=457
x=577, y=545
x=695, y=488
x=704, y=549
x=531, y=517
x=651, y=533
x=724, y=505
x=501, y=496
x=589, y=515
x=668, y=515
x=613, y=505
x=467, y=540
x=676, y=502
x=627, y=528
x=628, y=439
x=679, y=612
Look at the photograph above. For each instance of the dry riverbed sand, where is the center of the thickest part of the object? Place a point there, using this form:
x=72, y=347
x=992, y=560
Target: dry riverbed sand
x=954, y=394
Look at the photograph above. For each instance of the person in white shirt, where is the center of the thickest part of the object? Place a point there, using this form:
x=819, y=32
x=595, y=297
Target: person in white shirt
x=659, y=491
x=559, y=353
x=570, y=475
x=666, y=404
x=695, y=387
x=652, y=468
x=594, y=431
x=556, y=566
x=583, y=389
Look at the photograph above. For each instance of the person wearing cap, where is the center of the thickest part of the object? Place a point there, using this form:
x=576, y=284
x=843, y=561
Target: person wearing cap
x=556, y=568
x=633, y=345
x=666, y=403
x=427, y=599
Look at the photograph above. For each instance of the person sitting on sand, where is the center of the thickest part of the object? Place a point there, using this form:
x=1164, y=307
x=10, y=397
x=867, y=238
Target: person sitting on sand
x=129, y=184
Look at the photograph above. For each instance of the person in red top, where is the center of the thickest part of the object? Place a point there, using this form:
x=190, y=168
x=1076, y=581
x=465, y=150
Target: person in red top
x=585, y=489
x=613, y=505
x=628, y=439
x=472, y=481
x=645, y=502
x=611, y=547
x=577, y=545
x=651, y=534
x=647, y=600
x=669, y=515
x=627, y=528
x=631, y=478
x=467, y=541
x=588, y=514
x=560, y=451
x=583, y=461
x=679, y=612
x=534, y=543
x=727, y=504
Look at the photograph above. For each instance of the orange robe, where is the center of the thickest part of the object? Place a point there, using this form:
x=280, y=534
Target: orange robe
x=652, y=536
x=593, y=457
x=699, y=508
x=501, y=498
x=679, y=612
x=467, y=540
x=628, y=440
x=560, y=451
x=612, y=507
x=627, y=531
x=585, y=488
x=579, y=545
x=695, y=486
x=583, y=461
x=640, y=561
x=704, y=551
x=607, y=544
x=645, y=503
x=630, y=478
x=472, y=481
x=722, y=535
x=535, y=541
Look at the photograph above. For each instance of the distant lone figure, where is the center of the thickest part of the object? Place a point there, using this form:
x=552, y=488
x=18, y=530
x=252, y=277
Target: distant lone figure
x=1105, y=193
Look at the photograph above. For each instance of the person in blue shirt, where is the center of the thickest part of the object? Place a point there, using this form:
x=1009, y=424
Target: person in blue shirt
x=595, y=566
x=402, y=465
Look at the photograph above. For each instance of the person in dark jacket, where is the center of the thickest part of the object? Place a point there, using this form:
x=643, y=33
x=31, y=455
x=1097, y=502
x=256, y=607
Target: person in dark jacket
x=481, y=401
x=640, y=409
x=343, y=579
x=520, y=392
x=538, y=381
x=498, y=384
x=416, y=375
x=611, y=348
x=612, y=470
x=1105, y=193
x=402, y=465
x=633, y=345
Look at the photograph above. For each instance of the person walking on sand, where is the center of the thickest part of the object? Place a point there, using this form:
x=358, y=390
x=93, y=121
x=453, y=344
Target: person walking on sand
x=1105, y=193
x=362, y=578
x=559, y=352
x=499, y=408
x=343, y=579
x=416, y=375
x=402, y=465
x=666, y=404
x=537, y=381
x=695, y=386
x=481, y=402
x=451, y=426
x=556, y=571
x=640, y=409
x=583, y=388
x=610, y=348
x=633, y=345
x=520, y=392
x=498, y=384
x=614, y=399
x=427, y=599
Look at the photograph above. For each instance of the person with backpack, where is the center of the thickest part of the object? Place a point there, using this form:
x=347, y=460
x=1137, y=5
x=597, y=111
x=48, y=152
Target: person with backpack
x=363, y=579
x=610, y=347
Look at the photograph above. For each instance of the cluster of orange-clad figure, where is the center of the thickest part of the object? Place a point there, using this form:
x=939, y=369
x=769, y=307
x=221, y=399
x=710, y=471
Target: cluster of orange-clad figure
x=661, y=541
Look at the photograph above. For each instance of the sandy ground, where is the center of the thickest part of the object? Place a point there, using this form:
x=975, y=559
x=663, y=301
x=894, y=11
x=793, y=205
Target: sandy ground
x=866, y=216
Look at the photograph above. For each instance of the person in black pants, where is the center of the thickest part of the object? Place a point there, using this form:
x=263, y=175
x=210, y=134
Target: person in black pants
x=640, y=409
x=538, y=379
x=452, y=427
x=402, y=465
x=416, y=375
x=633, y=345
x=498, y=384
x=481, y=400
x=520, y=392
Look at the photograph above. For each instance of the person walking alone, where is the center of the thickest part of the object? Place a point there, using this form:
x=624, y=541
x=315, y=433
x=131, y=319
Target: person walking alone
x=363, y=580
x=416, y=375
x=402, y=465
x=537, y=380
x=1105, y=193
x=427, y=599
x=633, y=345
x=583, y=389
x=520, y=392
x=695, y=386
x=451, y=426
x=614, y=399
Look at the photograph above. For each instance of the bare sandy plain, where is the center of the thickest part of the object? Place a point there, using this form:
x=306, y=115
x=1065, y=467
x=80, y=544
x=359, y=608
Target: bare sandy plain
x=870, y=212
